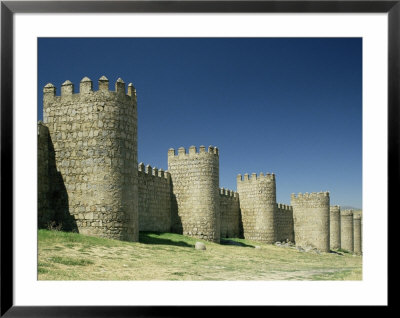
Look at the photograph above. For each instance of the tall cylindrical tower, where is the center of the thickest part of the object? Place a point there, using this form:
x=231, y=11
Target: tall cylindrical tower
x=94, y=135
x=346, y=225
x=311, y=220
x=357, y=233
x=258, y=206
x=335, y=227
x=195, y=188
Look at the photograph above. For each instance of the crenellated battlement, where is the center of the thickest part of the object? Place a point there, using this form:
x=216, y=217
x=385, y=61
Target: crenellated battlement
x=86, y=88
x=347, y=212
x=153, y=171
x=284, y=207
x=310, y=196
x=254, y=177
x=193, y=151
x=228, y=193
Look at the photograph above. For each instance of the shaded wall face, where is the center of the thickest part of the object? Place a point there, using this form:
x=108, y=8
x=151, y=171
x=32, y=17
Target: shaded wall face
x=230, y=218
x=195, y=187
x=284, y=223
x=335, y=227
x=311, y=221
x=154, y=201
x=258, y=205
x=45, y=213
x=94, y=135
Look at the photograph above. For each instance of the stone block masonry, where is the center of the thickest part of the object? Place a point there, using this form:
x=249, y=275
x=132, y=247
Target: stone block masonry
x=90, y=182
x=357, y=234
x=154, y=199
x=346, y=233
x=258, y=206
x=230, y=213
x=45, y=213
x=195, y=188
x=335, y=227
x=284, y=222
x=311, y=220
x=94, y=135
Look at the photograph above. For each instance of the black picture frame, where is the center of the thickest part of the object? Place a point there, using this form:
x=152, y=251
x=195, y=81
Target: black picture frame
x=8, y=8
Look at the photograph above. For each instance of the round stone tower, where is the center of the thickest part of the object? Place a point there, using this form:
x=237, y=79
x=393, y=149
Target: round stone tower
x=311, y=220
x=258, y=206
x=335, y=227
x=195, y=188
x=346, y=225
x=357, y=233
x=94, y=135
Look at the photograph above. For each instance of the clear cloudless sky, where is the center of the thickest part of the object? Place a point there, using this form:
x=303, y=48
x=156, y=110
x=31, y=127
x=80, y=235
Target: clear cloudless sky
x=291, y=106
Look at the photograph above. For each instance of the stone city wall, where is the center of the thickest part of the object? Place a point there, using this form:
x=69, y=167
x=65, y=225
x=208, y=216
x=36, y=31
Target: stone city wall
x=195, y=187
x=357, y=233
x=45, y=213
x=258, y=205
x=346, y=233
x=335, y=227
x=94, y=135
x=230, y=213
x=311, y=220
x=154, y=199
x=284, y=222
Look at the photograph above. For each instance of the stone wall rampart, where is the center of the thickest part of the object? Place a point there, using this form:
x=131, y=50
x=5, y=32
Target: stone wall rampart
x=230, y=213
x=154, y=199
x=335, y=241
x=311, y=220
x=196, y=194
x=284, y=222
x=347, y=230
x=258, y=206
x=357, y=233
x=94, y=135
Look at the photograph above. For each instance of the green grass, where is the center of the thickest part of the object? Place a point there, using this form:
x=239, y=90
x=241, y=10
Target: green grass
x=168, y=256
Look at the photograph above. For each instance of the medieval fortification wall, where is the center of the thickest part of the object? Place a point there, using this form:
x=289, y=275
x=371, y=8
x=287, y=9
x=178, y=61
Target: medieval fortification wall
x=347, y=230
x=335, y=227
x=94, y=135
x=258, y=206
x=311, y=220
x=90, y=182
x=230, y=213
x=195, y=186
x=154, y=199
x=284, y=223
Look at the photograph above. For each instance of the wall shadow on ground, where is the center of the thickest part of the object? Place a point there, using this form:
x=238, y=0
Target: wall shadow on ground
x=235, y=243
x=153, y=238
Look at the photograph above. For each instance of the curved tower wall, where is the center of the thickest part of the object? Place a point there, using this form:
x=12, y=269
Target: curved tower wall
x=258, y=206
x=195, y=188
x=311, y=220
x=347, y=235
x=94, y=134
x=335, y=227
x=357, y=234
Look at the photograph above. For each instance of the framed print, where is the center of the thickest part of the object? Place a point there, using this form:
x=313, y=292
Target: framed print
x=108, y=208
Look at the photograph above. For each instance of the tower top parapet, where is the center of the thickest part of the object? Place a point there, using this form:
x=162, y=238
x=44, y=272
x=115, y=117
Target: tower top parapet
x=254, y=177
x=86, y=88
x=193, y=151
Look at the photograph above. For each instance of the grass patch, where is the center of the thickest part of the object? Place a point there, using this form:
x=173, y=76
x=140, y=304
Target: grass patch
x=70, y=261
x=169, y=256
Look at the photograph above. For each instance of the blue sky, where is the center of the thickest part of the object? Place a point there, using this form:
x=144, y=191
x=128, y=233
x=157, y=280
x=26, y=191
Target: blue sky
x=291, y=106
